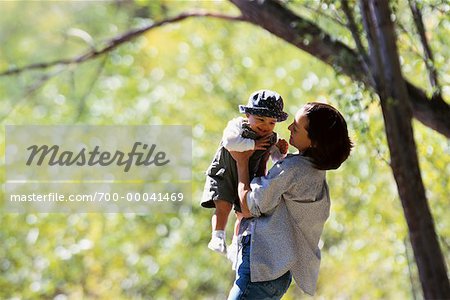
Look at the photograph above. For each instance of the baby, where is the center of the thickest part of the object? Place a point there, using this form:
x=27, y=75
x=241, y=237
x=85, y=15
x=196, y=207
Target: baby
x=255, y=132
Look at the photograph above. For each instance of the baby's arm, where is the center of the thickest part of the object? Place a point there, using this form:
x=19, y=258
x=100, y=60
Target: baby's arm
x=279, y=150
x=283, y=146
x=232, y=139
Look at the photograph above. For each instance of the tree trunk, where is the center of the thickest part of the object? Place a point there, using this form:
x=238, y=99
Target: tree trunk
x=307, y=36
x=391, y=88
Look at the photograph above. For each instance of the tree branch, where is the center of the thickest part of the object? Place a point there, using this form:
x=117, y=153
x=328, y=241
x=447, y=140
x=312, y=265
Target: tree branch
x=307, y=36
x=31, y=89
x=116, y=42
x=321, y=13
x=376, y=67
x=362, y=55
x=351, y=24
x=412, y=47
x=429, y=60
x=82, y=102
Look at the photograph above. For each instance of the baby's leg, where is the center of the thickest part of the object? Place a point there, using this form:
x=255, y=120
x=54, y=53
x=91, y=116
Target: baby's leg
x=219, y=223
x=220, y=218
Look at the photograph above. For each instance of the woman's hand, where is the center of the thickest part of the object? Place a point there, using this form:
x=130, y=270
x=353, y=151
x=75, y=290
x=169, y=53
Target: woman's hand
x=240, y=215
x=263, y=142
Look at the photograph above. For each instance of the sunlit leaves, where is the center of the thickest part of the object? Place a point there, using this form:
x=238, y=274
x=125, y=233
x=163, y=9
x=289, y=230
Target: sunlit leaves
x=196, y=73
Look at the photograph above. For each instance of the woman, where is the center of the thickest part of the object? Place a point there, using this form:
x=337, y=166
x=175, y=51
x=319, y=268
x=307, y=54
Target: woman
x=285, y=211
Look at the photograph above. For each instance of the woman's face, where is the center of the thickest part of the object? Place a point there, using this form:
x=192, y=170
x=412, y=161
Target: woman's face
x=299, y=135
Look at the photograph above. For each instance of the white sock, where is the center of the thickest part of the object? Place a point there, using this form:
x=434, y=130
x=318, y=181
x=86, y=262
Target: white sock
x=219, y=233
x=235, y=239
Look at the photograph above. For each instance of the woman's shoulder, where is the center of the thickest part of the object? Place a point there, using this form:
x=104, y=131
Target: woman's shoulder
x=300, y=165
x=298, y=159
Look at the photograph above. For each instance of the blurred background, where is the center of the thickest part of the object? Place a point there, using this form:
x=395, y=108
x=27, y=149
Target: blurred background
x=196, y=72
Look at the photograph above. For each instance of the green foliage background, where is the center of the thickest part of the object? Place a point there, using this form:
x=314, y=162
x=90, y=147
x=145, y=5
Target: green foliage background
x=196, y=73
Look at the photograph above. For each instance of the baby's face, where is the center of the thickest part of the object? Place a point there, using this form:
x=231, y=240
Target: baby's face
x=261, y=125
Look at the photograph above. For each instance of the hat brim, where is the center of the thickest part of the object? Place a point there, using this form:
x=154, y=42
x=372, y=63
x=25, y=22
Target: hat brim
x=262, y=111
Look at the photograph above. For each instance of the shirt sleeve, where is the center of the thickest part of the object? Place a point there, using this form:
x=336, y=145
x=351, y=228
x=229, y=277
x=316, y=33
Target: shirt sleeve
x=266, y=192
x=276, y=154
x=232, y=139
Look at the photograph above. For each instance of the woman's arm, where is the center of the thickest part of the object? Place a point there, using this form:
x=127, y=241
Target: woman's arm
x=241, y=159
x=266, y=192
x=262, y=168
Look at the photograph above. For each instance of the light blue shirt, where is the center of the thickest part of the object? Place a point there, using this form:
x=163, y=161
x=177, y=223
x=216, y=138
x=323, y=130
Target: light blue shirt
x=291, y=204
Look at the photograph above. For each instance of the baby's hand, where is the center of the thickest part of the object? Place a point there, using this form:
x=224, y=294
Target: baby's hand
x=283, y=146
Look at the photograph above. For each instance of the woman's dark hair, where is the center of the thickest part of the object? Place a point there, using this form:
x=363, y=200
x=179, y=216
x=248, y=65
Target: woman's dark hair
x=328, y=132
